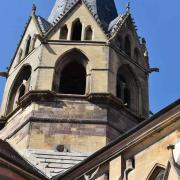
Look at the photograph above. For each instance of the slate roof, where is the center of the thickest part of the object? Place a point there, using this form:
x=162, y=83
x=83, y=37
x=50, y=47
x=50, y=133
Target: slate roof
x=43, y=24
x=12, y=156
x=52, y=162
x=104, y=11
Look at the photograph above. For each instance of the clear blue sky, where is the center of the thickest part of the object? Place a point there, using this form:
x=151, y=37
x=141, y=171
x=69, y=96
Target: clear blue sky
x=157, y=21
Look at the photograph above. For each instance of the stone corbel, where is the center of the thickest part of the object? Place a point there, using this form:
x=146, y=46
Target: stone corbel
x=129, y=168
x=4, y=74
x=153, y=70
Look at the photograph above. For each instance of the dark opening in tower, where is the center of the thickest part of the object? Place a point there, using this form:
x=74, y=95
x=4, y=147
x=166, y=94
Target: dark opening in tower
x=73, y=79
x=123, y=91
x=89, y=33
x=76, y=30
x=127, y=46
x=64, y=32
x=27, y=50
x=128, y=88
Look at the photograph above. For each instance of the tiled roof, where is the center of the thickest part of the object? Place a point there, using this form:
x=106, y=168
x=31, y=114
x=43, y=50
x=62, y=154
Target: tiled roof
x=8, y=153
x=116, y=24
x=53, y=163
x=43, y=24
x=60, y=8
x=104, y=11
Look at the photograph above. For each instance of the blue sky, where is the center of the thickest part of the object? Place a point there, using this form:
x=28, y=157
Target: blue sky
x=157, y=21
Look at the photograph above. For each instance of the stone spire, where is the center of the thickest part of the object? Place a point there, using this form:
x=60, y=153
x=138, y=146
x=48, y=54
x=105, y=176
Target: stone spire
x=128, y=7
x=104, y=10
x=33, y=9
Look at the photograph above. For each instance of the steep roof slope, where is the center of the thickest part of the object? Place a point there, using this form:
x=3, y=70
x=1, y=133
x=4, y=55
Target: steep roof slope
x=104, y=10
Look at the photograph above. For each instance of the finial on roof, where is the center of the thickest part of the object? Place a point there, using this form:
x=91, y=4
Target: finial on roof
x=143, y=41
x=128, y=7
x=33, y=9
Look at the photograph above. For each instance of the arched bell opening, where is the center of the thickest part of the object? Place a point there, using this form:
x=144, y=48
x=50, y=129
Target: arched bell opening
x=127, y=89
x=71, y=74
x=19, y=88
x=73, y=79
x=123, y=90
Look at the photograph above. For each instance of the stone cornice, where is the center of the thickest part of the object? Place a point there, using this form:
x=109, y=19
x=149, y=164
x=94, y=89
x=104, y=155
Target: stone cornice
x=51, y=96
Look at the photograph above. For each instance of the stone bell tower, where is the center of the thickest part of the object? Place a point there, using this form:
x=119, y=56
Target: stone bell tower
x=77, y=80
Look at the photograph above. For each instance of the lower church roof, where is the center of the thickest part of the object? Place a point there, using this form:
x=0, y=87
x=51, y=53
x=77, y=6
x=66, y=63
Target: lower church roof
x=52, y=162
x=9, y=154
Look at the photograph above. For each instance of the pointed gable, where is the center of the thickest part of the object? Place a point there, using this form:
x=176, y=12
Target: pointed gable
x=80, y=13
x=31, y=30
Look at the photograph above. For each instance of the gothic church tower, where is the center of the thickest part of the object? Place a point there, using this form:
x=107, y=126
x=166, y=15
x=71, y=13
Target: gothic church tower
x=77, y=80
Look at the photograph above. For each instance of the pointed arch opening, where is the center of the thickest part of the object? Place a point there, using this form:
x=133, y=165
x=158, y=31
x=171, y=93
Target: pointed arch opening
x=88, y=33
x=76, y=30
x=127, y=46
x=27, y=47
x=73, y=79
x=127, y=88
x=71, y=73
x=64, y=33
x=19, y=88
x=157, y=173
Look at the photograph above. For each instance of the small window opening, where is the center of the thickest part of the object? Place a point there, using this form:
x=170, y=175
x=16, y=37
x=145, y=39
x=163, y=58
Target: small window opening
x=136, y=54
x=27, y=50
x=64, y=32
x=89, y=33
x=73, y=79
x=20, y=55
x=33, y=42
x=127, y=46
x=123, y=91
x=77, y=31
